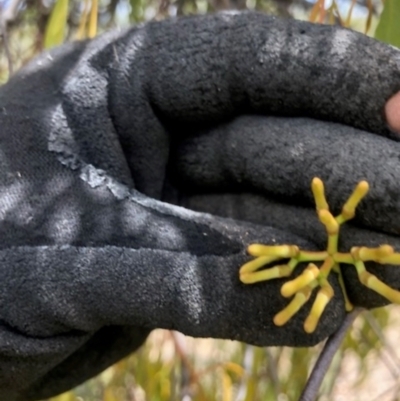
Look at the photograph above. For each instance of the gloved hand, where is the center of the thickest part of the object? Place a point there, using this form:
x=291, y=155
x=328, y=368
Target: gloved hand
x=100, y=140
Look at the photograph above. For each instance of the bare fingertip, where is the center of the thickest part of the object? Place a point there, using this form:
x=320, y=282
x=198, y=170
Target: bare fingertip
x=392, y=112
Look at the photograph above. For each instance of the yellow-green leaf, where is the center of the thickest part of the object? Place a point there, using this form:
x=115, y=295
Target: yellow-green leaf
x=69, y=396
x=93, y=19
x=227, y=391
x=234, y=368
x=81, y=33
x=55, y=30
x=109, y=395
x=388, y=29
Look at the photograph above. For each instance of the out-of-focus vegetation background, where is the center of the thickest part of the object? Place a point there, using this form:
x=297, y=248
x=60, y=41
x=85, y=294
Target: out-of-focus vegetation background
x=29, y=26
x=171, y=366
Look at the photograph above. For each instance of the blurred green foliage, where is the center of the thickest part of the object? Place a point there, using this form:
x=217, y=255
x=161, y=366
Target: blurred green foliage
x=57, y=24
x=173, y=367
x=388, y=29
x=29, y=26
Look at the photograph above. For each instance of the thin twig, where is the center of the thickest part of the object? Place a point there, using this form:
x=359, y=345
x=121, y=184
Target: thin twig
x=10, y=13
x=272, y=368
x=369, y=317
x=4, y=37
x=7, y=16
x=248, y=361
x=386, y=361
x=314, y=382
x=193, y=376
x=395, y=389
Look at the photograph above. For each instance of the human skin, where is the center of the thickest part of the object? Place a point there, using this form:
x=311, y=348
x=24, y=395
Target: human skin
x=392, y=112
x=103, y=141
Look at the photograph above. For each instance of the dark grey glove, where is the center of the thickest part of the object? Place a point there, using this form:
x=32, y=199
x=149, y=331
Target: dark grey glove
x=99, y=139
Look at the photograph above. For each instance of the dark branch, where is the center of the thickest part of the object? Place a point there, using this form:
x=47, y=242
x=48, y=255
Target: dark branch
x=314, y=382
